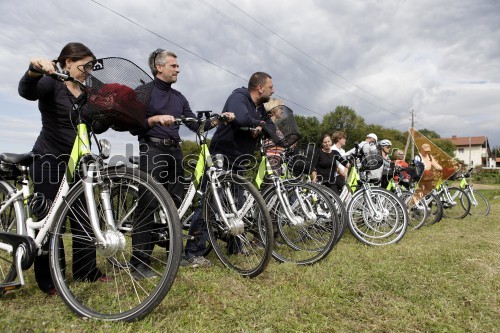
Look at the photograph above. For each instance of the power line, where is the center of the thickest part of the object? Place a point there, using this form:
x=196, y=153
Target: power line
x=310, y=57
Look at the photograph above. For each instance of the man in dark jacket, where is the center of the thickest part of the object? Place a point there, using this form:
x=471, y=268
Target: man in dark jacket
x=247, y=104
x=235, y=144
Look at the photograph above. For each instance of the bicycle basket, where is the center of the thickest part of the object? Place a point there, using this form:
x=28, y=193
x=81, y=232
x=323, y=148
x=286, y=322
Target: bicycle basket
x=287, y=132
x=118, y=93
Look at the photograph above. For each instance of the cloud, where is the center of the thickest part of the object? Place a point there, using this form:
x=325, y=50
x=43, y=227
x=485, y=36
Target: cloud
x=383, y=58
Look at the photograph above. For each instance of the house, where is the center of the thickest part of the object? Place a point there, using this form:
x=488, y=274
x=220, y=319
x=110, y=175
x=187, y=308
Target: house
x=473, y=150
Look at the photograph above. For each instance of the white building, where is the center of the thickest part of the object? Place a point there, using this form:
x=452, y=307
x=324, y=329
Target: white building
x=473, y=150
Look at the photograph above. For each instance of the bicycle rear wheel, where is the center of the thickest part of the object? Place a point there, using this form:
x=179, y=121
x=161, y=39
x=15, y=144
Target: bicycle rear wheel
x=479, y=204
x=245, y=243
x=314, y=237
x=418, y=211
x=435, y=207
x=339, y=208
x=9, y=218
x=457, y=206
x=79, y=262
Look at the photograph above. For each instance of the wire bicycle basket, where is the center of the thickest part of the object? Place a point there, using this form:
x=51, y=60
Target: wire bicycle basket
x=118, y=93
x=286, y=132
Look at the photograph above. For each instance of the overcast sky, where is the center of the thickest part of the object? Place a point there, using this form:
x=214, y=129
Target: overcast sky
x=382, y=58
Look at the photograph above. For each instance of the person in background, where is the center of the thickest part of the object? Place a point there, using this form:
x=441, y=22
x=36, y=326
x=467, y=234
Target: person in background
x=324, y=164
x=385, y=149
x=403, y=177
x=364, y=149
x=273, y=152
x=54, y=145
x=339, y=140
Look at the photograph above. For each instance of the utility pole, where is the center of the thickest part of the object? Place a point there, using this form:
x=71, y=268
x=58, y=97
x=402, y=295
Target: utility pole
x=412, y=142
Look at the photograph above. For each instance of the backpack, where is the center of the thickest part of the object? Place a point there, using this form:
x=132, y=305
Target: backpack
x=419, y=167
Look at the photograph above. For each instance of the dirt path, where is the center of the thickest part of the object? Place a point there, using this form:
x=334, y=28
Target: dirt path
x=486, y=187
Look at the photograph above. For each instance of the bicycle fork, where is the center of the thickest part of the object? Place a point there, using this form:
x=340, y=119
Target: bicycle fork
x=111, y=241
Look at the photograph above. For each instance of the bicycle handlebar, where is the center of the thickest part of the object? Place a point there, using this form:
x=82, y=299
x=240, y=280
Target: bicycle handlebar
x=200, y=121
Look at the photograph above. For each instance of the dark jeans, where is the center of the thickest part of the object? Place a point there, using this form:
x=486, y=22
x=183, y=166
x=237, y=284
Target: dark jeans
x=198, y=228
x=164, y=163
x=339, y=184
x=46, y=174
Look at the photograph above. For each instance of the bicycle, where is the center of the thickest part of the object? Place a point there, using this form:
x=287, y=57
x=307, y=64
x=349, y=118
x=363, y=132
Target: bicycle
x=305, y=218
x=232, y=208
x=418, y=211
x=375, y=215
x=479, y=203
x=456, y=203
x=83, y=214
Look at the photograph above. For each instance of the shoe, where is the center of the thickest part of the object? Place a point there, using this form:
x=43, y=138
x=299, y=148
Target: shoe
x=141, y=271
x=184, y=262
x=105, y=278
x=199, y=261
x=52, y=291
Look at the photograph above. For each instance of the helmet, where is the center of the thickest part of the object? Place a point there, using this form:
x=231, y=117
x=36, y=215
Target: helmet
x=384, y=143
x=373, y=136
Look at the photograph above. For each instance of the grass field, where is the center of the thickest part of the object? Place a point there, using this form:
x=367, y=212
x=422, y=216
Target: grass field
x=441, y=278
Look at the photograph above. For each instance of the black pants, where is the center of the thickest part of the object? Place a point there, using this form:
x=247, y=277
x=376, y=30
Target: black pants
x=46, y=174
x=164, y=163
x=339, y=184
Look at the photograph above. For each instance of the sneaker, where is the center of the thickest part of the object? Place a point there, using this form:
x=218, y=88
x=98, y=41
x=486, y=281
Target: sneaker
x=184, y=262
x=141, y=271
x=199, y=261
x=52, y=291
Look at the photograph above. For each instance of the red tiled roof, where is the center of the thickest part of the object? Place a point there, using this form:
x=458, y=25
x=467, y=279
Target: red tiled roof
x=497, y=159
x=464, y=141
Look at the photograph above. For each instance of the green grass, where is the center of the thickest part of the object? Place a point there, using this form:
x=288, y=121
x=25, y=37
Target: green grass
x=442, y=278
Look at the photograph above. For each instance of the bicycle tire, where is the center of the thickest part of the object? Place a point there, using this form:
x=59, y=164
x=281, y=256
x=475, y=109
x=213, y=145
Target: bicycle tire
x=417, y=212
x=248, y=248
x=459, y=207
x=315, y=239
x=339, y=207
x=435, y=208
x=479, y=204
x=125, y=297
x=9, y=219
x=387, y=226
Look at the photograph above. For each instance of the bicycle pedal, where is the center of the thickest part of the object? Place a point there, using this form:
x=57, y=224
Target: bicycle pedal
x=9, y=286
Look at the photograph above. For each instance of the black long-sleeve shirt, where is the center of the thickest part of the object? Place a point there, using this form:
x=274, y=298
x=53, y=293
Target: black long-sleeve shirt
x=55, y=102
x=166, y=101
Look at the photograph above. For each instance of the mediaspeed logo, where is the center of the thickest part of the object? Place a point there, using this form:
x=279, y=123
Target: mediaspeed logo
x=98, y=65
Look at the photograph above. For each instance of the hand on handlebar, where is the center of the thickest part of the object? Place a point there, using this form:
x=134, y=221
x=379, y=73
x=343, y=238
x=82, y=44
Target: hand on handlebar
x=40, y=66
x=162, y=120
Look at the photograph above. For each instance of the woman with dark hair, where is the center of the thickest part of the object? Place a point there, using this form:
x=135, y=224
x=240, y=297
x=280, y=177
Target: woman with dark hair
x=324, y=164
x=55, y=142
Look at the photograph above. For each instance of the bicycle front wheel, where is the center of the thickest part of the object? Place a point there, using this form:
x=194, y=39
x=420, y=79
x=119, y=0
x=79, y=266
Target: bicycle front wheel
x=239, y=225
x=456, y=205
x=479, y=204
x=377, y=217
x=307, y=233
x=99, y=280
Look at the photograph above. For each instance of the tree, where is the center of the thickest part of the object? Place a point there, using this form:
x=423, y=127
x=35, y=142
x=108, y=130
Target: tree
x=429, y=134
x=309, y=128
x=345, y=119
